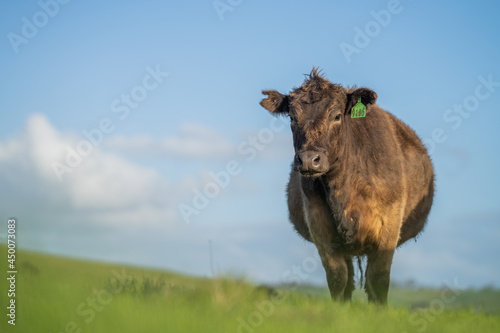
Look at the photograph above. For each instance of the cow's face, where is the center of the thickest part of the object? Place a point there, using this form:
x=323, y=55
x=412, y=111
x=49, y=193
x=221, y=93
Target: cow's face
x=316, y=129
x=317, y=111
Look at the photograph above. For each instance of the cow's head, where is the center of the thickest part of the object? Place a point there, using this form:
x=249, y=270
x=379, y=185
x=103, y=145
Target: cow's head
x=318, y=112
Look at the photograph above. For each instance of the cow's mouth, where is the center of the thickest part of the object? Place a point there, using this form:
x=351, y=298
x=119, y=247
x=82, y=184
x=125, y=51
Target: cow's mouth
x=311, y=173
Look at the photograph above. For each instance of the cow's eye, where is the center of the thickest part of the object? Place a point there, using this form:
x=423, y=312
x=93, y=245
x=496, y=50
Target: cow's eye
x=292, y=119
x=337, y=117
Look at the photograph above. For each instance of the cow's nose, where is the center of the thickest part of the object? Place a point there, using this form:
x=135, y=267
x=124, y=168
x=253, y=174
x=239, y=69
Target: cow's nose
x=311, y=162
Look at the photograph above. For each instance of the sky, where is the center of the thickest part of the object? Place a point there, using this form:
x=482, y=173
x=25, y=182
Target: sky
x=132, y=132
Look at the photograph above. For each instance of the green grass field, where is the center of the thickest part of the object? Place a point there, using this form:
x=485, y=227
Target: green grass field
x=56, y=295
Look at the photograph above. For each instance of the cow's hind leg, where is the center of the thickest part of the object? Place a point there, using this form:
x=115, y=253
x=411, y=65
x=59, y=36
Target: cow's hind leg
x=349, y=288
x=378, y=271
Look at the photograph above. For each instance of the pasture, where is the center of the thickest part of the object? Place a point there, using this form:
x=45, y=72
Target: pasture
x=57, y=294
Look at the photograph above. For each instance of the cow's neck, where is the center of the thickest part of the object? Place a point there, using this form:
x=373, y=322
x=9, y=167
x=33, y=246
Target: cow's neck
x=340, y=177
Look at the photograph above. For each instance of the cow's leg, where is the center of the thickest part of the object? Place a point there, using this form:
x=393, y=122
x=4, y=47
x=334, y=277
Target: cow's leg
x=378, y=271
x=321, y=228
x=350, y=279
x=378, y=268
x=337, y=272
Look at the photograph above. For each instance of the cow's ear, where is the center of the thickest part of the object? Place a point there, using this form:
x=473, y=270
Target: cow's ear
x=367, y=96
x=275, y=102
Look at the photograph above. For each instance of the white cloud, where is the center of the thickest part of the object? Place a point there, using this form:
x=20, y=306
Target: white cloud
x=101, y=182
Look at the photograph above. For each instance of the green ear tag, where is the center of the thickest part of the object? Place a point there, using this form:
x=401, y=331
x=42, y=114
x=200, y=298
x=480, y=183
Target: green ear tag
x=358, y=110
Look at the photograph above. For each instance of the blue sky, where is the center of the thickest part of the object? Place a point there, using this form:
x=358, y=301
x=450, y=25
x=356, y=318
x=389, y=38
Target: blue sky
x=78, y=63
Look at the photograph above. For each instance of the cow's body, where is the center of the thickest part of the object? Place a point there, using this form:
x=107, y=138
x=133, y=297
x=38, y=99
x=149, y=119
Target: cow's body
x=358, y=186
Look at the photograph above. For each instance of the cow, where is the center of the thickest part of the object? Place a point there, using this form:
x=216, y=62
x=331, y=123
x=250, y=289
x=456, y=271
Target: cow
x=361, y=182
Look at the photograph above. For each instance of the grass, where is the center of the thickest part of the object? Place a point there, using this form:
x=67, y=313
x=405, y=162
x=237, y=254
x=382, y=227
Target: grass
x=56, y=295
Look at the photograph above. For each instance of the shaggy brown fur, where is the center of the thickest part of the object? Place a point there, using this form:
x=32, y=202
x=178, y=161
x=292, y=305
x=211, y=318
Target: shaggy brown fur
x=358, y=186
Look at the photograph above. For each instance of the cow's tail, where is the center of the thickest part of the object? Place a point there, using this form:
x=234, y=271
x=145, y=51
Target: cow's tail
x=361, y=271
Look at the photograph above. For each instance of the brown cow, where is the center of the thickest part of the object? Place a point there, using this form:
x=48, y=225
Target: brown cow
x=358, y=186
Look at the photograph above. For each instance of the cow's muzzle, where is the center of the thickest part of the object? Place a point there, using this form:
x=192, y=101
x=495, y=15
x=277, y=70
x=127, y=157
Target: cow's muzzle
x=311, y=163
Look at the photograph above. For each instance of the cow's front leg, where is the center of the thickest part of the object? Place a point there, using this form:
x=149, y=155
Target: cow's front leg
x=378, y=268
x=337, y=275
x=378, y=273
x=321, y=227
